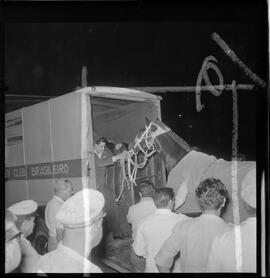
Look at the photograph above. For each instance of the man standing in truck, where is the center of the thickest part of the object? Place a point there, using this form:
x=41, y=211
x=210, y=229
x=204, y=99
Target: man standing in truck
x=103, y=159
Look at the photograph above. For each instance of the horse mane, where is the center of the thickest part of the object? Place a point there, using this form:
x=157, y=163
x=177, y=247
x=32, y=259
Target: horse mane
x=180, y=141
x=175, y=137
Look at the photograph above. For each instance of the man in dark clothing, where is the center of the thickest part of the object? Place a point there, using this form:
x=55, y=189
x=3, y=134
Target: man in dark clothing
x=103, y=160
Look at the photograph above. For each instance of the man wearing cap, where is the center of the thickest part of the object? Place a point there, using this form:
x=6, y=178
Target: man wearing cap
x=13, y=253
x=81, y=216
x=63, y=189
x=25, y=216
x=240, y=240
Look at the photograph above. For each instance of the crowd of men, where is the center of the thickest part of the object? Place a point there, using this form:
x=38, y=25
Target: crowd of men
x=168, y=241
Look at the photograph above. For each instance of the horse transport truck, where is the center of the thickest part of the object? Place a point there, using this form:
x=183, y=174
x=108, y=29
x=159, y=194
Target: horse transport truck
x=54, y=139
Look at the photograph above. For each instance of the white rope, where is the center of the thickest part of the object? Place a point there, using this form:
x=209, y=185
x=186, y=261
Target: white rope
x=131, y=158
x=148, y=152
x=124, y=180
x=122, y=190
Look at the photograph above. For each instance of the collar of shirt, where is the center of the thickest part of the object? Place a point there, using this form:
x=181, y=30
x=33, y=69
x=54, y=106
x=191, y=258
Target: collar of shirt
x=146, y=199
x=163, y=211
x=76, y=256
x=59, y=199
x=250, y=221
x=23, y=238
x=211, y=216
x=99, y=155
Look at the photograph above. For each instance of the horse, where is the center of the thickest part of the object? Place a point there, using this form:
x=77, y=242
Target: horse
x=186, y=167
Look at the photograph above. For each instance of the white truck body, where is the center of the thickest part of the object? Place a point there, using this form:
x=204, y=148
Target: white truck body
x=55, y=138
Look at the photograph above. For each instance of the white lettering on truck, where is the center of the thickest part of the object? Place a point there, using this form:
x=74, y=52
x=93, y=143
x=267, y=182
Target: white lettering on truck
x=34, y=171
x=60, y=169
x=47, y=170
x=19, y=172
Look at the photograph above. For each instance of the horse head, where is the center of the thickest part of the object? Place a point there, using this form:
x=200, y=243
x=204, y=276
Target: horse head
x=145, y=140
x=157, y=137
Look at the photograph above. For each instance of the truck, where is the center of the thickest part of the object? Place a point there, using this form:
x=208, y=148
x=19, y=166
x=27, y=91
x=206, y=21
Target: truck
x=54, y=139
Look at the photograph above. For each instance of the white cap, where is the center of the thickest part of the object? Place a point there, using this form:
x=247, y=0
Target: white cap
x=80, y=209
x=248, y=190
x=23, y=207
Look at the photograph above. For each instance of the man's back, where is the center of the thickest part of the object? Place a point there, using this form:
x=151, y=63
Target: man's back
x=51, y=209
x=222, y=256
x=139, y=211
x=152, y=232
x=65, y=260
x=193, y=239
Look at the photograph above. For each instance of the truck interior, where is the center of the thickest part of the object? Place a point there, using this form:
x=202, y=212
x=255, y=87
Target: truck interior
x=119, y=121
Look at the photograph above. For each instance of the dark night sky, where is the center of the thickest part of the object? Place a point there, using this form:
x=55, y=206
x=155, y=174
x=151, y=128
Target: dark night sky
x=45, y=58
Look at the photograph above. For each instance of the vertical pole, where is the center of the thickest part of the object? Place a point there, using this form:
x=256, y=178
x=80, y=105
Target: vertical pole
x=24, y=157
x=51, y=139
x=132, y=193
x=263, y=226
x=90, y=136
x=84, y=76
x=163, y=169
x=235, y=201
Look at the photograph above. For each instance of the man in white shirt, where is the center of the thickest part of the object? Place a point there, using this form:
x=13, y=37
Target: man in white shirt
x=240, y=239
x=143, y=208
x=63, y=189
x=193, y=237
x=81, y=216
x=153, y=230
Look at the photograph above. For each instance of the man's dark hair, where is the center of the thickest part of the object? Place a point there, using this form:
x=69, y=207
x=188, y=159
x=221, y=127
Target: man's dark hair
x=124, y=147
x=163, y=196
x=111, y=146
x=146, y=188
x=211, y=193
x=101, y=139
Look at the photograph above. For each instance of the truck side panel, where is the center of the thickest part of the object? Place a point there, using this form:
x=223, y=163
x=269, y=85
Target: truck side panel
x=13, y=139
x=44, y=144
x=36, y=133
x=66, y=127
x=15, y=191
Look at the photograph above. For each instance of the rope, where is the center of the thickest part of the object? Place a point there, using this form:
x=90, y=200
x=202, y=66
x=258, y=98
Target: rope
x=124, y=180
x=131, y=159
x=150, y=150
